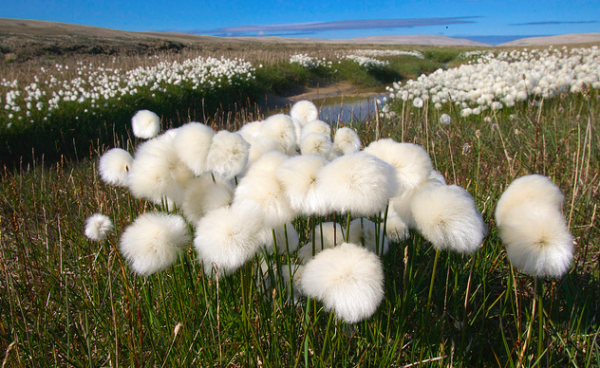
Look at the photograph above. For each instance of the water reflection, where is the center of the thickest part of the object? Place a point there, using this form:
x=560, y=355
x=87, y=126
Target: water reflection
x=347, y=109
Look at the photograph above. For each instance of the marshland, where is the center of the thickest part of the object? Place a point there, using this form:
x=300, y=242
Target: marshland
x=78, y=292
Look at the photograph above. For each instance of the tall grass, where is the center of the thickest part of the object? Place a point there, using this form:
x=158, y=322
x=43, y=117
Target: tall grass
x=68, y=301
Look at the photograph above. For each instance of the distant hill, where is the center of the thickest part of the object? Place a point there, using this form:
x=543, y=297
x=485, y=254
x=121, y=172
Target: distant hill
x=45, y=28
x=555, y=40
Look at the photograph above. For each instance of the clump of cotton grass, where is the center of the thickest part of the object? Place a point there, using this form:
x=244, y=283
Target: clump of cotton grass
x=298, y=175
x=315, y=126
x=412, y=162
x=192, y=143
x=145, y=124
x=228, y=154
x=532, y=227
x=153, y=241
x=204, y=194
x=347, y=279
x=304, y=111
x=528, y=189
x=447, y=217
x=345, y=142
x=114, y=166
x=359, y=183
x=98, y=226
x=228, y=237
x=316, y=144
x=261, y=186
x=281, y=128
x=396, y=229
x=369, y=234
x=445, y=119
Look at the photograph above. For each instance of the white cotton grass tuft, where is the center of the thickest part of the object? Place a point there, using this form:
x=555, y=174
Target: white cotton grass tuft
x=286, y=237
x=358, y=183
x=145, y=124
x=532, y=227
x=347, y=279
x=249, y=130
x=114, y=166
x=537, y=239
x=156, y=172
x=304, y=111
x=153, y=241
x=98, y=226
x=298, y=175
x=447, y=217
x=345, y=142
x=528, y=188
x=259, y=145
x=228, y=154
x=281, y=128
x=315, y=126
x=203, y=194
x=316, y=144
x=396, y=229
x=369, y=234
x=412, y=162
x=260, y=185
x=192, y=143
x=418, y=102
x=445, y=119
x=325, y=236
x=228, y=237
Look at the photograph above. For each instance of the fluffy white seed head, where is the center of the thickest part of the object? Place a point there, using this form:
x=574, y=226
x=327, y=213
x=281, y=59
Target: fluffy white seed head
x=316, y=144
x=445, y=119
x=345, y=141
x=412, y=162
x=358, y=183
x=153, y=241
x=347, y=279
x=528, y=189
x=203, y=194
x=281, y=128
x=157, y=172
x=298, y=175
x=228, y=237
x=315, y=126
x=98, y=226
x=448, y=218
x=260, y=145
x=304, y=111
x=228, y=154
x=260, y=185
x=251, y=129
x=192, y=143
x=396, y=229
x=114, y=166
x=537, y=239
x=145, y=124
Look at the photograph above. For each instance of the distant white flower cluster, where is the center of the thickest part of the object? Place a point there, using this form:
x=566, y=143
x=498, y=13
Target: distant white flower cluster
x=495, y=82
x=475, y=54
x=366, y=62
x=99, y=85
x=309, y=61
x=414, y=53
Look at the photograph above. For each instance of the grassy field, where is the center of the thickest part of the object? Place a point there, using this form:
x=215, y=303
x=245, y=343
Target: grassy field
x=69, y=301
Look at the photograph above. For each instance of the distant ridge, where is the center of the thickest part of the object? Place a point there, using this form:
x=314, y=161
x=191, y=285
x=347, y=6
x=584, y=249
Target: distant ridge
x=572, y=38
x=38, y=27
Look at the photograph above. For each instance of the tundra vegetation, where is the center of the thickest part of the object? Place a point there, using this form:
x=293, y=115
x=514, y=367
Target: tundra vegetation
x=458, y=129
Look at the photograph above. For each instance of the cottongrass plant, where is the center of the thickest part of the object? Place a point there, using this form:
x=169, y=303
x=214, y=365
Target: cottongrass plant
x=192, y=144
x=304, y=111
x=114, y=166
x=145, y=124
x=98, y=226
x=347, y=279
x=153, y=241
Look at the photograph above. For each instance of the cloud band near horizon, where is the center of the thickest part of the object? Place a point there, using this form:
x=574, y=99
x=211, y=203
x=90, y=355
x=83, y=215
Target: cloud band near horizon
x=339, y=25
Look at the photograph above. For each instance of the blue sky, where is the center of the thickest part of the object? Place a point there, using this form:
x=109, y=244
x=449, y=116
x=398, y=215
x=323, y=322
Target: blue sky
x=483, y=20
